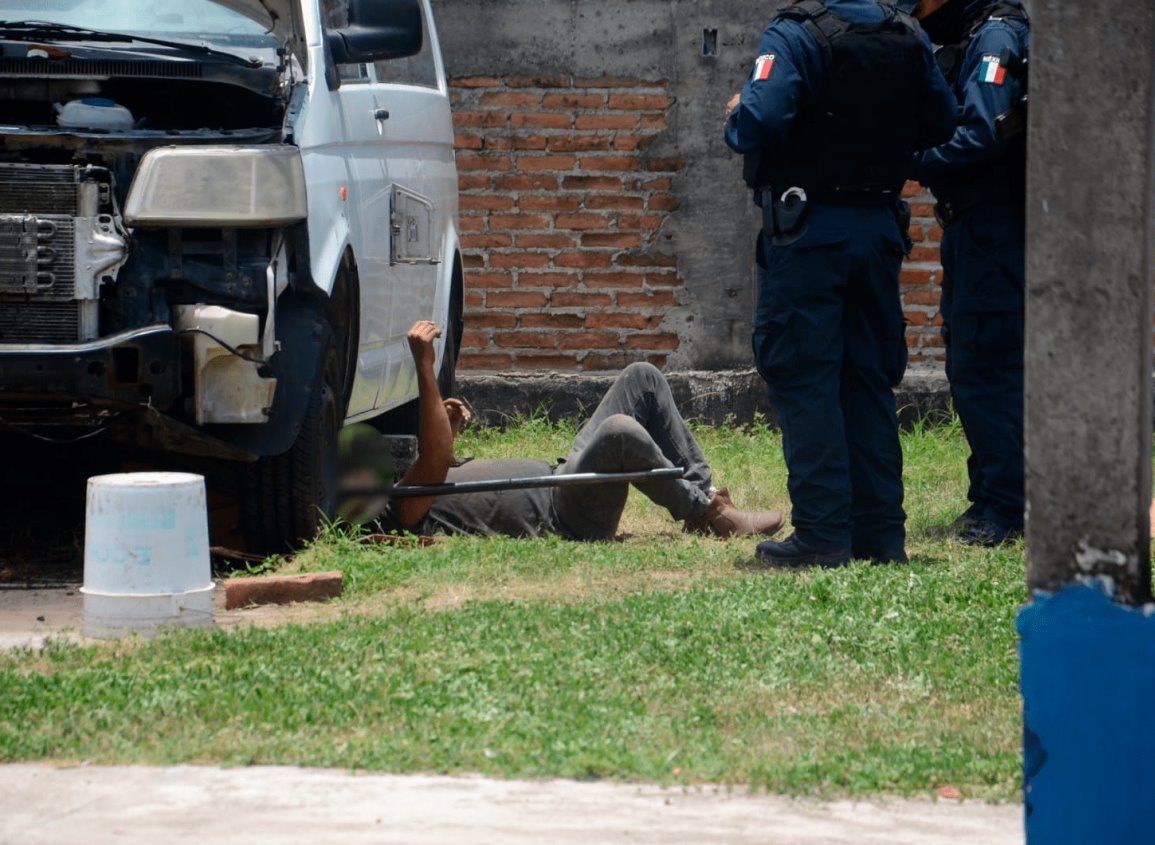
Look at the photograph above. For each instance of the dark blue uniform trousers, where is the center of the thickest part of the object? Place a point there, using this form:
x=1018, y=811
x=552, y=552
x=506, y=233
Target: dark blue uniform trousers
x=983, y=253
x=829, y=341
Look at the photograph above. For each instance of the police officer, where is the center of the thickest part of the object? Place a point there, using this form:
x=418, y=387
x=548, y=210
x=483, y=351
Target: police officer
x=978, y=179
x=828, y=122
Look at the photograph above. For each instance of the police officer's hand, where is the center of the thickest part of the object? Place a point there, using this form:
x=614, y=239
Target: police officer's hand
x=731, y=105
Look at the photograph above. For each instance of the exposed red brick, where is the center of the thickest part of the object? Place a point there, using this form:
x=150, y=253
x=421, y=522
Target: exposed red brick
x=476, y=82
x=472, y=181
x=509, y=100
x=491, y=241
x=538, y=120
x=920, y=297
x=665, y=164
x=580, y=299
x=538, y=182
x=489, y=281
x=652, y=341
x=639, y=102
x=483, y=161
x=557, y=81
x=582, y=222
x=606, y=121
x=583, y=259
x=479, y=119
x=519, y=221
x=543, y=280
x=282, y=589
x=535, y=164
x=578, y=143
x=663, y=202
x=515, y=299
x=601, y=320
x=493, y=320
x=648, y=299
x=516, y=260
x=663, y=279
x=485, y=202
x=640, y=221
x=474, y=339
x=591, y=183
x=551, y=320
x=589, y=340
x=923, y=253
x=573, y=101
x=609, y=163
x=525, y=340
x=515, y=142
x=545, y=241
x=633, y=143
x=622, y=240
x=614, y=280
x=615, y=202
x=549, y=202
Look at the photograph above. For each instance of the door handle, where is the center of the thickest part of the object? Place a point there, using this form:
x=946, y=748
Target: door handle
x=381, y=114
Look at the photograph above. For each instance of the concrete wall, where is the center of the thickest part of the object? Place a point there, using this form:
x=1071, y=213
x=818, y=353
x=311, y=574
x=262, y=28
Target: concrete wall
x=547, y=57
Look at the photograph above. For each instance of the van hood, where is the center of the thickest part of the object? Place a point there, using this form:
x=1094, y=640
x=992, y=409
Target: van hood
x=276, y=15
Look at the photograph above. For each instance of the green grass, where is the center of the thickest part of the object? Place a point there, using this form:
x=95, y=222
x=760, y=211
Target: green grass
x=663, y=657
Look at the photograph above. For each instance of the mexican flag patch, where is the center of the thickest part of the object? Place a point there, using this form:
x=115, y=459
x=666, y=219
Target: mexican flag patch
x=762, y=67
x=992, y=71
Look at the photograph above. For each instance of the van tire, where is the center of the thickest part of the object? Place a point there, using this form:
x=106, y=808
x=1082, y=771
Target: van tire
x=288, y=498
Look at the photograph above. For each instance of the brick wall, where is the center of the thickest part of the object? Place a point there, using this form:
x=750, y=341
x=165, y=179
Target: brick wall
x=563, y=205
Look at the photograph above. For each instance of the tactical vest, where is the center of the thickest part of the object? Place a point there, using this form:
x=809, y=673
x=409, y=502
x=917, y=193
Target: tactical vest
x=855, y=141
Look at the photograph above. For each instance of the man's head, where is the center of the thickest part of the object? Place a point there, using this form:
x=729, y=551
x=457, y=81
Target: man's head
x=924, y=8
x=920, y=8
x=943, y=20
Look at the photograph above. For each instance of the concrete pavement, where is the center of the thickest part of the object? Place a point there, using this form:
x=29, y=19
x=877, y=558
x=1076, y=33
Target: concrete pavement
x=179, y=805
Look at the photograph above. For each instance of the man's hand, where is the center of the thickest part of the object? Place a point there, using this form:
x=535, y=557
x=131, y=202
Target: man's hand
x=731, y=104
x=421, y=338
x=458, y=413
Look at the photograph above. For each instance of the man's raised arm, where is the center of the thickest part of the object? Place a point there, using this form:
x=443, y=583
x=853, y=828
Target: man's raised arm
x=434, y=431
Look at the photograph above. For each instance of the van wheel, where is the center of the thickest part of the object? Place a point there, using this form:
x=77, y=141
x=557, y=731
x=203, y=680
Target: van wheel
x=288, y=498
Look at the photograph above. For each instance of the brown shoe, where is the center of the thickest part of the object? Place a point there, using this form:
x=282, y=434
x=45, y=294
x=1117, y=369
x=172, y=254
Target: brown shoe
x=723, y=519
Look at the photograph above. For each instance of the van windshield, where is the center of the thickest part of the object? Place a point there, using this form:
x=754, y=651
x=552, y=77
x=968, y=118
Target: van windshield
x=186, y=19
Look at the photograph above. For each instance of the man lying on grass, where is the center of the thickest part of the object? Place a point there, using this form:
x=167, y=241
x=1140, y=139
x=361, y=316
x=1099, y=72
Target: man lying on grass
x=635, y=428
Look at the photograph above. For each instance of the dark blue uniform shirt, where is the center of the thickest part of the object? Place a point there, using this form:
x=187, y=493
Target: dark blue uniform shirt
x=773, y=95
x=989, y=84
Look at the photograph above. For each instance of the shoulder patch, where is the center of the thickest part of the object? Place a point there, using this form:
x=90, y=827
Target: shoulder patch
x=762, y=67
x=992, y=70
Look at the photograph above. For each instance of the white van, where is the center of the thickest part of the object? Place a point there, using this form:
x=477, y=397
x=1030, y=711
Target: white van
x=218, y=219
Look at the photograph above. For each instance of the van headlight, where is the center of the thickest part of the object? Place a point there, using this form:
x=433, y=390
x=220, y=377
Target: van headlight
x=217, y=186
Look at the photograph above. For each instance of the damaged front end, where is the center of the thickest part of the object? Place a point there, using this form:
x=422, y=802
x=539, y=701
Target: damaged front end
x=149, y=193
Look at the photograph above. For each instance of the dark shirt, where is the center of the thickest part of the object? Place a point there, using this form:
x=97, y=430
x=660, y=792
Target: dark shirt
x=514, y=513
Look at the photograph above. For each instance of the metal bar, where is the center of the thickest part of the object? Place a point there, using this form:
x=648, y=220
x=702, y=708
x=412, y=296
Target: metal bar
x=450, y=488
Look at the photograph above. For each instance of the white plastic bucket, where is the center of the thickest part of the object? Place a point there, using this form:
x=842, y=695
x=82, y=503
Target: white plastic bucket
x=146, y=553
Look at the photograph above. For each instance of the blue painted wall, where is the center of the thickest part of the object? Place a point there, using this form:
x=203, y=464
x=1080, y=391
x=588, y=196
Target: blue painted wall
x=1088, y=685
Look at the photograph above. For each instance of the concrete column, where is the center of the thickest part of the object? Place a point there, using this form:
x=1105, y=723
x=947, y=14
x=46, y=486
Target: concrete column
x=1089, y=292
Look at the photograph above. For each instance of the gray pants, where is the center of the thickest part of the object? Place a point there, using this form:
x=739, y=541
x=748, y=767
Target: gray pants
x=636, y=427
